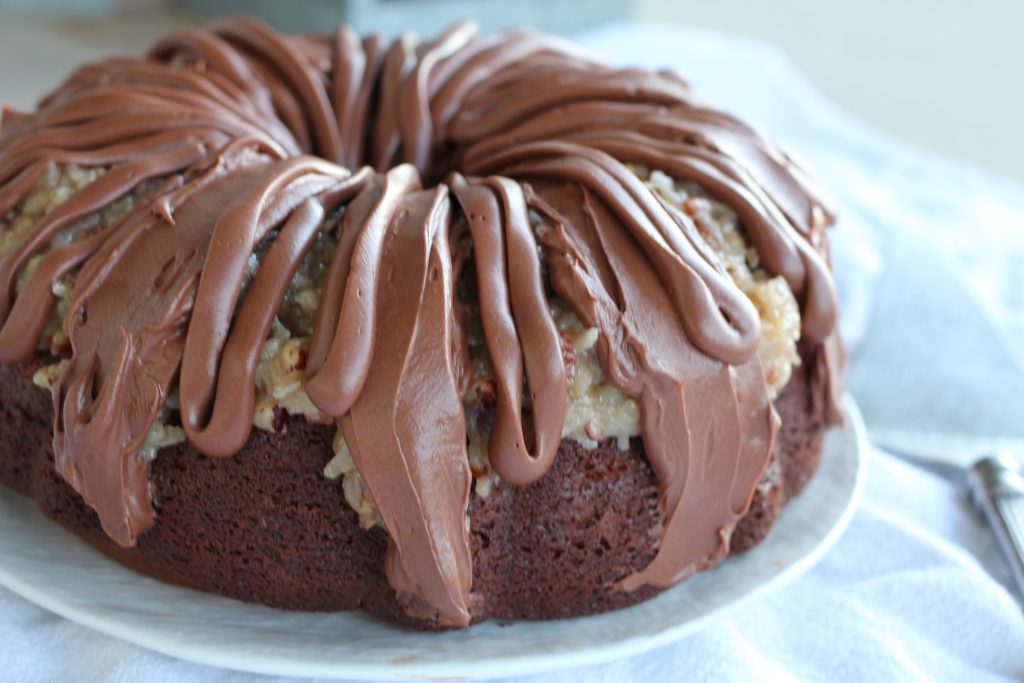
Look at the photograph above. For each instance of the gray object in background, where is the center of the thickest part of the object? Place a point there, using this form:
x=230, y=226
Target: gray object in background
x=59, y=8
x=425, y=17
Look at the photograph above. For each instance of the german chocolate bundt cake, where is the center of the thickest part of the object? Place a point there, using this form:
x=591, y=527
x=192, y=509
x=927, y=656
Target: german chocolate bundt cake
x=441, y=330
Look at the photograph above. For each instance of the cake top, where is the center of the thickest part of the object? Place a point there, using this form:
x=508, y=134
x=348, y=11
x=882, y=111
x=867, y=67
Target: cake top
x=248, y=141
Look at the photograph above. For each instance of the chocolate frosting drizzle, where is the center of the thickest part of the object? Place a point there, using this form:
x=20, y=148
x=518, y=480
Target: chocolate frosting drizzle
x=255, y=137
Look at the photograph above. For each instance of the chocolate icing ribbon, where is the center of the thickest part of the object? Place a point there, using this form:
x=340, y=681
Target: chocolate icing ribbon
x=407, y=430
x=517, y=326
x=606, y=277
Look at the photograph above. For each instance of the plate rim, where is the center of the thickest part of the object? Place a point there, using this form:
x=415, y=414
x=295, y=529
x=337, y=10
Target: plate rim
x=517, y=664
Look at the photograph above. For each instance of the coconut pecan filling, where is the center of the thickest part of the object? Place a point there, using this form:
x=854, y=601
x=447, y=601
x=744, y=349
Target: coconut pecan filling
x=597, y=410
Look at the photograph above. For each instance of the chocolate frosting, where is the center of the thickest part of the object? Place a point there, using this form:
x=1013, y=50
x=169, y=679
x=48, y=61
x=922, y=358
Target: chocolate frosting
x=253, y=137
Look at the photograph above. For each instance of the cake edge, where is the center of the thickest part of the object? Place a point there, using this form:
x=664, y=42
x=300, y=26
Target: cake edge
x=265, y=526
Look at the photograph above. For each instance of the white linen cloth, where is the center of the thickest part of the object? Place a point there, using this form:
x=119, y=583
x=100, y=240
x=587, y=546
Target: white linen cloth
x=915, y=590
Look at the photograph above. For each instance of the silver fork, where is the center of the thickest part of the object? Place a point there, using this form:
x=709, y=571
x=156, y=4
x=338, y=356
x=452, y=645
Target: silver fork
x=995, y=485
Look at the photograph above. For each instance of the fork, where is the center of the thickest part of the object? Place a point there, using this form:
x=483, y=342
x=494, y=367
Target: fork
x=995, y=486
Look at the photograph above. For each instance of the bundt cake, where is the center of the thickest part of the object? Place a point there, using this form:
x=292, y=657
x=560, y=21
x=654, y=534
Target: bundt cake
x=440, y=330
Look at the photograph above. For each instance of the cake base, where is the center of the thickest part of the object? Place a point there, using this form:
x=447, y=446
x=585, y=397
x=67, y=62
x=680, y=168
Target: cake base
x=266, y=526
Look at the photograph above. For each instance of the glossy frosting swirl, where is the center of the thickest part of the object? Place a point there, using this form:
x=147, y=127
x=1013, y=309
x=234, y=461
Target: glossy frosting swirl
x=516, y=139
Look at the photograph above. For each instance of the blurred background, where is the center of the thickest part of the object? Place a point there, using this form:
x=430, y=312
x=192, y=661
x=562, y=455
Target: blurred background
x=943, y=74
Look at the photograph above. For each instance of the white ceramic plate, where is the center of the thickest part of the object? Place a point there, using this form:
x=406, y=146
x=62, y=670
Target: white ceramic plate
x=52, y=568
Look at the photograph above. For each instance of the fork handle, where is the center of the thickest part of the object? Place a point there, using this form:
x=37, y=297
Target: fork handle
x=997, y=489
